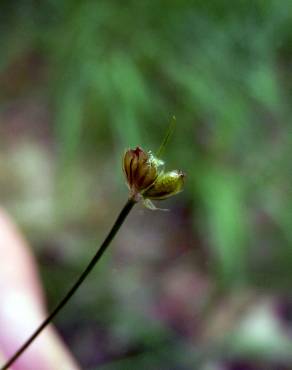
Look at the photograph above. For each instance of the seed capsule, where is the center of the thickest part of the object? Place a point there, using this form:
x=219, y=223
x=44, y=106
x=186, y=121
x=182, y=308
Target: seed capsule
x=166, y=185
x=141, y=169
x=146, y=178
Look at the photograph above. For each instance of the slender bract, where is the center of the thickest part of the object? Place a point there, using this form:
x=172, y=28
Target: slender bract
x=167, y=136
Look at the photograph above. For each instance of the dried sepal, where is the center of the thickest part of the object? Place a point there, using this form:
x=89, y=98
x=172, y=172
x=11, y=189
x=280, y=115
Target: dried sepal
x=150, y=205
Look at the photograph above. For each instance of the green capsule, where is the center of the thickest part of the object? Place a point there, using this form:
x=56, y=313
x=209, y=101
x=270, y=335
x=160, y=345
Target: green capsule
x=166, y=185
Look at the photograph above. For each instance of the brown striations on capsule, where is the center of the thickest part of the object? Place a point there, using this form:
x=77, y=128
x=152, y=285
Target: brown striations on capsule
x=140, y=168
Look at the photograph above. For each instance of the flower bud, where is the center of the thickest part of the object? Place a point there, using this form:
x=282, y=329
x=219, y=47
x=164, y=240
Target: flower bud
x=141, y=169
x=166, y=185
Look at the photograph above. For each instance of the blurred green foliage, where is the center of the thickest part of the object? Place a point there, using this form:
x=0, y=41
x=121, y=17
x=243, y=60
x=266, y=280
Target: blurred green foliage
x=112, y=74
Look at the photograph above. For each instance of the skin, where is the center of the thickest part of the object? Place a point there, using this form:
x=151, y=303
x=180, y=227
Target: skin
x=22, y=307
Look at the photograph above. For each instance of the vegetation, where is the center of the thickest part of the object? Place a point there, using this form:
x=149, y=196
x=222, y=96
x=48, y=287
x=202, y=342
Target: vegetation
x=83, y=80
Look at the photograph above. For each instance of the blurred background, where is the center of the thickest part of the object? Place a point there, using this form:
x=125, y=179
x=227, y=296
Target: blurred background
x=207, y=285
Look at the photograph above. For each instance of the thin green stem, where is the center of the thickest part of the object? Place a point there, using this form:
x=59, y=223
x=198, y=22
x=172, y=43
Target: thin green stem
x=118, y=223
